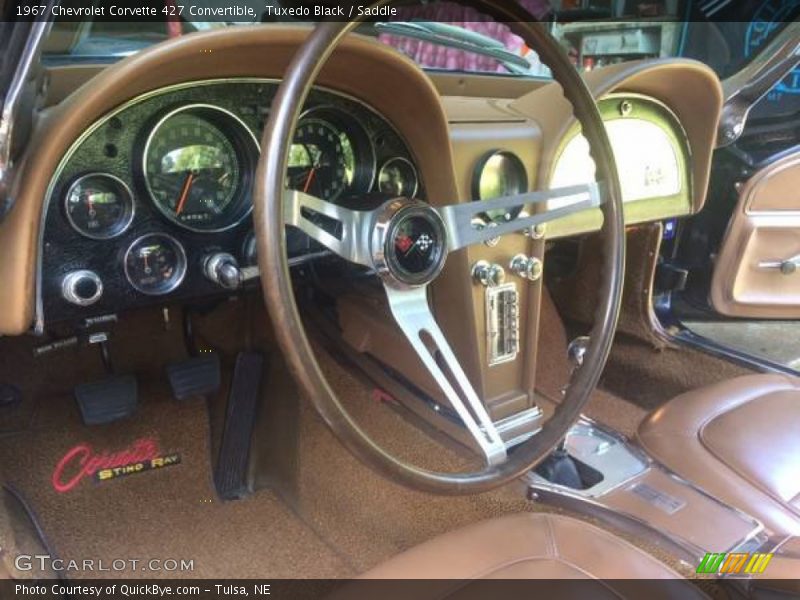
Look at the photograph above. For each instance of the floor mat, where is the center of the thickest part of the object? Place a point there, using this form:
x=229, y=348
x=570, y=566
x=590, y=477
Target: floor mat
x=168, y=513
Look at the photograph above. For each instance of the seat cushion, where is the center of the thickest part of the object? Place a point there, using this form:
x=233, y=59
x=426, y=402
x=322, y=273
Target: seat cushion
x=739, y=441
x=533, y=546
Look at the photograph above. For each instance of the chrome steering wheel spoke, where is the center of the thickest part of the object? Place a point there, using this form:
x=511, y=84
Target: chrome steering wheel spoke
x=343, y=231
x=413, y=314
x=464, y=223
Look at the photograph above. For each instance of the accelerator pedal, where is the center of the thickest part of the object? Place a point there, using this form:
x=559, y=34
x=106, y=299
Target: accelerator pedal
x=230, y=472
x=196, y=377
x=107, y=400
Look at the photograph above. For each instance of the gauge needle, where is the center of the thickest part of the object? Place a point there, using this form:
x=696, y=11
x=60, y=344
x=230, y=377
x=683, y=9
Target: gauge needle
x=309, y=179
x=187, y=185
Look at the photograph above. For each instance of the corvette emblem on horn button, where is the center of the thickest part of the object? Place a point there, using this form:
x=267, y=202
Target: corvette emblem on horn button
x=415, y=246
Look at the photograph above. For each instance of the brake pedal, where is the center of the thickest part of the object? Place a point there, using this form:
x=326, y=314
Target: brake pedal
x=107, y=400
x=199, y=376
x=230, y=472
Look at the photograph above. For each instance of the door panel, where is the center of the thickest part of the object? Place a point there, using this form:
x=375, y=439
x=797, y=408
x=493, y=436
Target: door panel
x=755, y=275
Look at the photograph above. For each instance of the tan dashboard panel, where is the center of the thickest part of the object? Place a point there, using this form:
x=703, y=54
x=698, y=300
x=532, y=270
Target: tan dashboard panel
x=363, y=68
x=764, y=231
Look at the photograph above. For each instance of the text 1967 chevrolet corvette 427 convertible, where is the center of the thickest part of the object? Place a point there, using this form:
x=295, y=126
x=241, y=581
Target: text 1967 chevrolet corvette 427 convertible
x=450, y=293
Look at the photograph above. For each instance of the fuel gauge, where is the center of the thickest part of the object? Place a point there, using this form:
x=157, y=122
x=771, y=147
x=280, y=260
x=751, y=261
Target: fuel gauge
x=155, y=264
x=99, y=206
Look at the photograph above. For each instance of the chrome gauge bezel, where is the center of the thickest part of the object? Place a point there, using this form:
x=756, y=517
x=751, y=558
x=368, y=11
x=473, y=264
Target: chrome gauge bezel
x=130, y=206
x=182, y=262
x=241, y=134
x=409, y=164
x=363, y=145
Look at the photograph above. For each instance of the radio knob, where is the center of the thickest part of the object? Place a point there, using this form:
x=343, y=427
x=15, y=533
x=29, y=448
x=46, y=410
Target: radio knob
x=529, y=268
x=488, y=274
x=82, y=288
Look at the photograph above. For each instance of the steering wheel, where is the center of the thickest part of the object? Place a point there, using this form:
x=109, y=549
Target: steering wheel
x=369, y=238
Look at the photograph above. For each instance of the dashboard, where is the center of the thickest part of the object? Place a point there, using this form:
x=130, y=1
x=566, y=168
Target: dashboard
x=154, y=200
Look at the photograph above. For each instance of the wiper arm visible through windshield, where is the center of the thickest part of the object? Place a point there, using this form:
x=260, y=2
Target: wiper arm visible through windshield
x=452, y=36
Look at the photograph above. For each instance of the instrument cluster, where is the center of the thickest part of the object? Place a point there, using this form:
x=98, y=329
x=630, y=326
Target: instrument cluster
x=154, y=201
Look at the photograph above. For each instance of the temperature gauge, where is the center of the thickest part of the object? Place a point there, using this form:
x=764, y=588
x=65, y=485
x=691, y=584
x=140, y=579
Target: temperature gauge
x=99, y=206
x=155, y=264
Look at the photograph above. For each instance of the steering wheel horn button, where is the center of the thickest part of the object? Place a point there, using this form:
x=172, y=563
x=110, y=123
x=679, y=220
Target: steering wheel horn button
x=414, y=246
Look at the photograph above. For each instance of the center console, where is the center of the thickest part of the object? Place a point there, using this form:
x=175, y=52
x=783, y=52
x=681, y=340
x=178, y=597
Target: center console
x=617, y=479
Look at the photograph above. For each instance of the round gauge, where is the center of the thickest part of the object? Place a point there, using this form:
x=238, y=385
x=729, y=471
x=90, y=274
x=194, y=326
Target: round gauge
x=155, y=264
x=498, y=174
x=198, y=162
x=398, y=177
x=330, y=155
x=99, y=206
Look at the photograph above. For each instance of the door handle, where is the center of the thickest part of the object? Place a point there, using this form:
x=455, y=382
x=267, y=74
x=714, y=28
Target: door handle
x=786, y=267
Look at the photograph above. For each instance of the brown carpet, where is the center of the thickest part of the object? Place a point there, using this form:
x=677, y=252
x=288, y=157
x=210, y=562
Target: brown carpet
x=168, y=513
x=367, y=517
x=649, y=377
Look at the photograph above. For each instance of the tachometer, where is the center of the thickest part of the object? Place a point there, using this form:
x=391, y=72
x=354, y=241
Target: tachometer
x=198, y=165
x=330, y=155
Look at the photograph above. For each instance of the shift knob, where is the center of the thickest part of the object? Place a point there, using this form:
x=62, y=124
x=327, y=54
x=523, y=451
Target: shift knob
x=576, y=351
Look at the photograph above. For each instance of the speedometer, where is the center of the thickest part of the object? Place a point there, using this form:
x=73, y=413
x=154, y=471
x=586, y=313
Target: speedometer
x=198, y=165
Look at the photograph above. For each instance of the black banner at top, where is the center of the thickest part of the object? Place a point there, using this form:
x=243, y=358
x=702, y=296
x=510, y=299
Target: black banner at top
x=768, y=13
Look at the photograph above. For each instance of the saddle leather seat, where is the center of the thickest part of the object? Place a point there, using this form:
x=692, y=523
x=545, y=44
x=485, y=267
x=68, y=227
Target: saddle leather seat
x=531, y=546
x=739, y=441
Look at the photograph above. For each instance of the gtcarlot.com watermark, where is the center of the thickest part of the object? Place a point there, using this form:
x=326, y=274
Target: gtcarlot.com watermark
x=45, y=562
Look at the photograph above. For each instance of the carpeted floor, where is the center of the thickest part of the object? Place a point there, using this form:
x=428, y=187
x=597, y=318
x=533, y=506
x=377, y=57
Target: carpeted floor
x=648, y=377
x=319, y=512
x=168, y=513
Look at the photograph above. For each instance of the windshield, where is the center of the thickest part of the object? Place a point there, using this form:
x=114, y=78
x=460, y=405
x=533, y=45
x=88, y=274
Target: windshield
x=446, y=36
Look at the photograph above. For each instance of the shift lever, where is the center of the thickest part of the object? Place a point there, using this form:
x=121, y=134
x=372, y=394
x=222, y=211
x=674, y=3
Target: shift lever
x=576, y=353
x=560, y=468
